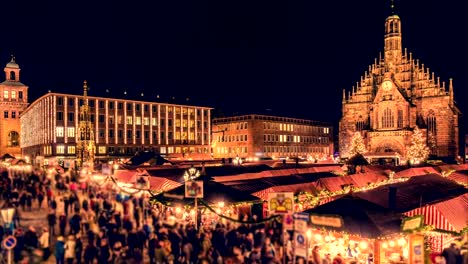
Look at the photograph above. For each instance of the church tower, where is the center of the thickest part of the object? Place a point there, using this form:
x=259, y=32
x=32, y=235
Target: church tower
x=13, y=101
x=392, y=41
x=394, y=96
x=85, y=144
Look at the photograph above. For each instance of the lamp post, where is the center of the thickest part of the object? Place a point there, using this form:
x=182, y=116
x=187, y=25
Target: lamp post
x=189, y=175
x=7, y=218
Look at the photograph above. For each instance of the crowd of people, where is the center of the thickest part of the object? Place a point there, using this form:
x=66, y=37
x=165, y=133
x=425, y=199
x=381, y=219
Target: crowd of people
x=85, y=224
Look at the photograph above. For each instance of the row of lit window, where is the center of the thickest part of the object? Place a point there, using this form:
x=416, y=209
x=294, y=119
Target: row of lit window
x=296, y=128
x=295, y=139
x=12, y=94
x=138, y=120
x=229, y=150
x=129, y=107
x=234, y=126
x=294, y=149
x=6, y=114
x=120, y=133
x=232, y=138
x=60, y=149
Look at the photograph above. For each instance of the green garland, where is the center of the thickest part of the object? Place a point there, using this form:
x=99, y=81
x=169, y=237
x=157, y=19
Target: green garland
x=269, y=219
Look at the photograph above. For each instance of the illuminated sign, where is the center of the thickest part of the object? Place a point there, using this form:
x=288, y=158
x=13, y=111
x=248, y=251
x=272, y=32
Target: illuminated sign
x=412, y=223
x=327, y=220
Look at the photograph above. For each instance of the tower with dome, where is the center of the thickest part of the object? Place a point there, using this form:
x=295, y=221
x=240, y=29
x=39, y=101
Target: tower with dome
x=13, y=101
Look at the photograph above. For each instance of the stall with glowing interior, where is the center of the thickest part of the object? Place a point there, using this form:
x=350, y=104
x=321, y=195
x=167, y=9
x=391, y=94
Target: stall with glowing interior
x=356, y=230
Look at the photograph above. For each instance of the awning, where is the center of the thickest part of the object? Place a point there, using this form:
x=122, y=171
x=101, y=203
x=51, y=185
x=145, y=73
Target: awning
x=411, y=172
x=450, y=215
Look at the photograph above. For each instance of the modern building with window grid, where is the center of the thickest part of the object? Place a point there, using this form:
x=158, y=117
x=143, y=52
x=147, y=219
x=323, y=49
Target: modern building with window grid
x=49, y=128
x=261, y=136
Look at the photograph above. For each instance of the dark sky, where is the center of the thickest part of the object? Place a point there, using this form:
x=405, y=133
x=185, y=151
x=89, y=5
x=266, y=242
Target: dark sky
x=292, y=57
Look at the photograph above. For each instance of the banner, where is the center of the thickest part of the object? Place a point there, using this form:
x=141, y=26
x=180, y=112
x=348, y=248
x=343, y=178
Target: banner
x=194, y=189
x=280, y=203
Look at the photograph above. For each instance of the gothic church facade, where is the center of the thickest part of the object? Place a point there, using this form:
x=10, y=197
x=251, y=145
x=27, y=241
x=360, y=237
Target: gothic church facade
x=394, y=96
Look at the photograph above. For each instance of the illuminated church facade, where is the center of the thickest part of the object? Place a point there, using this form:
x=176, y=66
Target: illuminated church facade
x=395, y=95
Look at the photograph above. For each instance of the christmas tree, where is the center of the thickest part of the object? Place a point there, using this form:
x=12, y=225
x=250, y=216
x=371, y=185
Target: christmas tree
x=357, y=145
x=418, y=151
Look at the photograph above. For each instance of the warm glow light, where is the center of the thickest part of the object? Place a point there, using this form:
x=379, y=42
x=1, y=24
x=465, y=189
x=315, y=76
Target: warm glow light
x=318, y=237
x=401, y=241
x=363, y=245
x=341, y=241
x=391, y=243
x=405, y=253
x=384, y=245
x=178, y=210
x=328, y=238
x=220, y=204
x=309, y=234
x=192, y=212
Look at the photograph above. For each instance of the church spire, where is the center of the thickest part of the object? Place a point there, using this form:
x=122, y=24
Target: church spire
x=85, y=90
x=451, y=91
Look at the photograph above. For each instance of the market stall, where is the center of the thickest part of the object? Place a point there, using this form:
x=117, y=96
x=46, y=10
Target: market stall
x=217, y=202
x=356, y=231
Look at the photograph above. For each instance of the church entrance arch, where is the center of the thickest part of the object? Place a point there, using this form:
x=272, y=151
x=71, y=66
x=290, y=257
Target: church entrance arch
x=387, y=151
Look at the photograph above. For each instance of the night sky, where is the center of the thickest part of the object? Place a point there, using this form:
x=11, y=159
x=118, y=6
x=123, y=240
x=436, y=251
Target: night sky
x=289, y=58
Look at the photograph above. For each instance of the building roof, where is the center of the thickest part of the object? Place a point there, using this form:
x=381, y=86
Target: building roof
x=12, y=64
x=269, y=118
x=416, y=192
x=360, y=217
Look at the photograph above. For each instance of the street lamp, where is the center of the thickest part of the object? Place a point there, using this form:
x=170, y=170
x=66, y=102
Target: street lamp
x=7, y=217
x=190, y=175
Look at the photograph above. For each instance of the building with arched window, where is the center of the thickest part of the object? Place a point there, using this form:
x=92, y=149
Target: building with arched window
x=13, y=101
x=396, y=94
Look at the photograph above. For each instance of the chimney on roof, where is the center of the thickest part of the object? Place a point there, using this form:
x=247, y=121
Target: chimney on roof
x=392, y=197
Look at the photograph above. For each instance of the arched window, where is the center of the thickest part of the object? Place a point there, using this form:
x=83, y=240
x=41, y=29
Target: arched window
x=432, y=132
x=400, y=118
x=431, y=123
x=387, y=118
x=13, y=139
x=12, y=76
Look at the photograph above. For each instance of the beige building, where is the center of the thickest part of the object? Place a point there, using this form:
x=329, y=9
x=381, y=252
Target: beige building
x=260, y=136
x=13, y=101
x=50, y=125
x=395, y=95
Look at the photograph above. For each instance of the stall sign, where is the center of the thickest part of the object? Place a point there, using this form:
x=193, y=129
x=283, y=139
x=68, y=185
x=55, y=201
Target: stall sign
x=300, y=222
x=326, y=220
x=288, y=222
x=300, y=245
x=412, y=223
x=106, y=169
x=300, y=230
x=194, y=189
x=417, y=249
x=280, y=202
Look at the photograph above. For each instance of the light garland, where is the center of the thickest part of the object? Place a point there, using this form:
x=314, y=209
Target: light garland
x=312, y=200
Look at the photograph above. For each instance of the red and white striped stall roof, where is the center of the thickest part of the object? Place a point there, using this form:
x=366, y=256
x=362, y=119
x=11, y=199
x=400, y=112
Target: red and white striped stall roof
x=450, y=215
x=161, y=184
